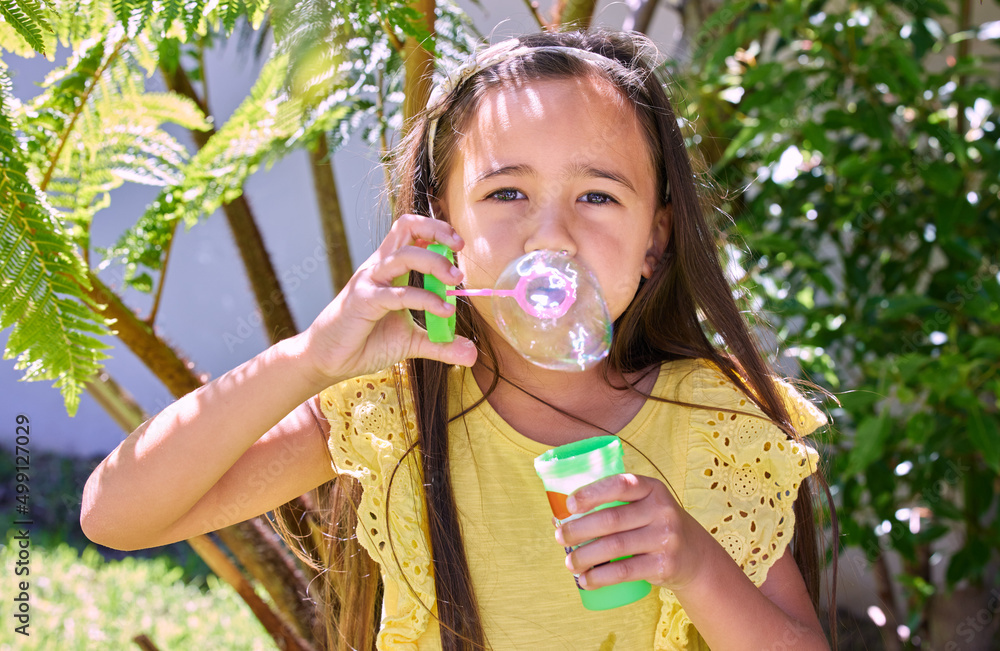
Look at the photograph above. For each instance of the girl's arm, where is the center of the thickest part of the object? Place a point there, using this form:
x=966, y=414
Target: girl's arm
x=202, y=464
x=250, y=440
x=730, y=612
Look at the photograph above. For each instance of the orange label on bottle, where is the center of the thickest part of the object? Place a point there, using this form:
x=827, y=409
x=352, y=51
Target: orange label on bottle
x=558, y=503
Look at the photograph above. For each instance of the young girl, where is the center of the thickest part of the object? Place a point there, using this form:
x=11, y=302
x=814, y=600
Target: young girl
x=561, y=142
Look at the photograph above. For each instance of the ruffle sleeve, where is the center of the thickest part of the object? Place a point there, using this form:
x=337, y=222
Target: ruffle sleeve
x=742, y=478
x=371, y=427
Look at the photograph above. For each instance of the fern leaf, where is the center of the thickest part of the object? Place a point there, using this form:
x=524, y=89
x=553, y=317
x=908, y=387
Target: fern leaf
x=171, y=10
x=171, y=107
x=12, y=41
x=116, y=136
x=28, y=19
x=258, y=132
x=54, y=325
x=231, y=10
x=193, y=17
x=122, y=9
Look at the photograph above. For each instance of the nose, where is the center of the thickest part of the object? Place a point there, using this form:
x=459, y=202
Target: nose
x=552, y=232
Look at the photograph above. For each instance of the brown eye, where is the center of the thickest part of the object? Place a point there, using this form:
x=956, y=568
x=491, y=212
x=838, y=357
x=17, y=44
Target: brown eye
x=597, y=198
x=507, y=194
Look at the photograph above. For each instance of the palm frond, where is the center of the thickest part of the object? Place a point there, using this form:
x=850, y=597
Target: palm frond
x=55, y=326
x=259, y=132
x=28, y=18
x=94, y=128
x=76, y=21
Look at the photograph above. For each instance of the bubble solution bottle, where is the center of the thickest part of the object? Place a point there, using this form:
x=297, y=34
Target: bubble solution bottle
x=569, y=467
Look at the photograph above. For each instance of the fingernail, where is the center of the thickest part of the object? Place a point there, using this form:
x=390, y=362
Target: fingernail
x=455, y=273
x=559, y=538
x=571, y=504
x=582, y=580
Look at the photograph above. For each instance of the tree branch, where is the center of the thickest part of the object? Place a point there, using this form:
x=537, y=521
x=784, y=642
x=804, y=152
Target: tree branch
x=261, y=554
x=330, y=216
x=117, y=402
x=151, y=319
x=533, y=8
x=228, y=572
x=274, y=310
x=176, y=373
x=639, y=16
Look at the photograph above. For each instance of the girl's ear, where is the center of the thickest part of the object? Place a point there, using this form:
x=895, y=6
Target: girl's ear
x=437, y=211
x=659, y=237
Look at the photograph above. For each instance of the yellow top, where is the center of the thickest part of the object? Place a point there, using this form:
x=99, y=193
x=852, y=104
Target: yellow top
x=737, y=475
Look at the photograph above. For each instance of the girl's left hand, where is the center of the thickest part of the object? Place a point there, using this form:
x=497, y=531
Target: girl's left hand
x=666, y=543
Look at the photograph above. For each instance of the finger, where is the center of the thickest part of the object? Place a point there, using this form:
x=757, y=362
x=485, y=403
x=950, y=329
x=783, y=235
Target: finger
x=461, y=351
x=608, y=548
x=383, y=300
x=655, y=568
x=602, y=523
x=412, y=258
x=625, y=487
x=418, y=230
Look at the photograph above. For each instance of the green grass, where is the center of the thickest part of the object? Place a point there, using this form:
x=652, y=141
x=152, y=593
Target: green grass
x=82, y=601
x=84, y=596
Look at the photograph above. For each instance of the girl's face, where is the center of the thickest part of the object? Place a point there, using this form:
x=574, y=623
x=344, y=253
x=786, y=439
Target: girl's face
x=561, y=165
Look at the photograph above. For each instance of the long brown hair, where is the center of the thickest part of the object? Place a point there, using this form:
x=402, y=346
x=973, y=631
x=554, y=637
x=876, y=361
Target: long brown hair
x=667, y=319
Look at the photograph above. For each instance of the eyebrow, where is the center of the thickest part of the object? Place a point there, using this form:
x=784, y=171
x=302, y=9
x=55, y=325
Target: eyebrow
x=579, y=169
x=596, y=172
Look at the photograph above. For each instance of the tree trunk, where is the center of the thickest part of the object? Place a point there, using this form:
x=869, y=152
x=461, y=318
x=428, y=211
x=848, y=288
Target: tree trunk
x=419, y=65
x=640, y=15
x=331, y=218
x=571, y=15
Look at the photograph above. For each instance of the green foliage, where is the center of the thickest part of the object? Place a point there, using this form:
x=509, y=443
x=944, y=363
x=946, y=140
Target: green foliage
x=94, y=126
x=197, y=16
x=334, y=71
x=41, y=279
x=343, y=52
x=869, y=144
x=260, y=131
x=79, y=601
x=27, y=18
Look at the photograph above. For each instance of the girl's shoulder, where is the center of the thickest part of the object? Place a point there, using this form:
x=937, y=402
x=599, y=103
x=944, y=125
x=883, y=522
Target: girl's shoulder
x=699, y=382
x=743, y=472
x=371, y=420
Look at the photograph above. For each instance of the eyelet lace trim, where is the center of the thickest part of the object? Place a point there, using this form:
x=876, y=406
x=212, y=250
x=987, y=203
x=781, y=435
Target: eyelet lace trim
x=371, y=428
x=743, y=475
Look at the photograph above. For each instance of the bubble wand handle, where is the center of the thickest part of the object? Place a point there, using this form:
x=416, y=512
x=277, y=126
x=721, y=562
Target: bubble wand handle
x=440, y=329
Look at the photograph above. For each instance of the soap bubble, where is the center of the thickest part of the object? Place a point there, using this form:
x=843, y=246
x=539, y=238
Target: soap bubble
x=550, y=309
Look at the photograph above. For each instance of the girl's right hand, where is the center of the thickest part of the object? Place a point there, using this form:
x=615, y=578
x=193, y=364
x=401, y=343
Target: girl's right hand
x=368, y=326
